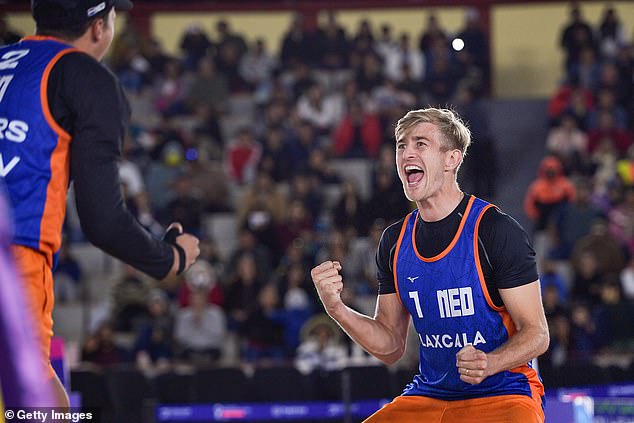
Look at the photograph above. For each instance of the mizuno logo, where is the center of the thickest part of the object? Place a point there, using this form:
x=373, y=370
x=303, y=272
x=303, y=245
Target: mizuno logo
x=412, y=278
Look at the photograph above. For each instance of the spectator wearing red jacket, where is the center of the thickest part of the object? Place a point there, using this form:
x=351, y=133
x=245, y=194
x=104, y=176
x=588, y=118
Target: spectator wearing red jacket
x=358, y=134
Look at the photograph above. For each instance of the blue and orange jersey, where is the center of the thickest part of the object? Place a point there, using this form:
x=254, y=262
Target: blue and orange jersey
x=448, y=300
x=34, y=149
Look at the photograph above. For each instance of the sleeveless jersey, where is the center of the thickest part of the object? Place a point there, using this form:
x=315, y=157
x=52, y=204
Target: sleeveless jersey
x=34, y=150
x=447, y=298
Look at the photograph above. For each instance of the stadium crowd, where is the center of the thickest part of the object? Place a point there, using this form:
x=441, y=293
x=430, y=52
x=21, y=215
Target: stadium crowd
x=228, y=127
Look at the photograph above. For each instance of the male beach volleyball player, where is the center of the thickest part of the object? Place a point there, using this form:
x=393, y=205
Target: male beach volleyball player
x=465, y=272
x=63, y=116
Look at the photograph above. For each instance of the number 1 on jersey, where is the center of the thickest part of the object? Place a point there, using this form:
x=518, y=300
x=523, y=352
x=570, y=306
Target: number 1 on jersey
x=414, y=296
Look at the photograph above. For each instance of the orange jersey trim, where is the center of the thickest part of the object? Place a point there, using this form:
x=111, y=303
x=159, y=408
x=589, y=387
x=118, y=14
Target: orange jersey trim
x=396, y=251
x=453, y=241
x=55, y=206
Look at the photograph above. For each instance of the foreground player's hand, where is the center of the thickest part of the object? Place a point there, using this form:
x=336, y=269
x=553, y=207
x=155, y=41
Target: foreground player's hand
x=472, y=364
x=329, y=284
x=187, y=242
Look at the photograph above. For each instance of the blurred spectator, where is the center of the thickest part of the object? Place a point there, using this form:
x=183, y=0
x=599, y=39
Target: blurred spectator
x=130, y=298
x=611, y=34
x=404, y=55
x=358, y=134
x=208, y=87
x=102, y=349
x=228, y=60
x=200, y=329
x=248, y=244
x=242, y=157
x=297, y=44
x=583, y=333
x=209, y=184
x=606, y=102
x=349, y=212
x=608, y=252
x=552, y=281
x=242, y=291
x=257, y=65
x=227, y=37
x=263, y=329
x=318, y=109
x=275, y=160
x=576, y=35
x=332, y=42
x=305, y=190
x=550, y=190
x=185, y=207
x=558, y=350
x=169, y=90
x=476, y=44
x=297, y=221
x=432, y=35
x=621, y=221
x=370, y=73
x=320, y=169
x=385, y=45
x=586, y=69
x=300, y=145
x=607, y=132
x=569, y=144
x=571, y=98
x=195, y=45
x=154, y=337
x=614, y=317
x=363, y=40
x=572, y=221
x=321, y=347
x=67, y=275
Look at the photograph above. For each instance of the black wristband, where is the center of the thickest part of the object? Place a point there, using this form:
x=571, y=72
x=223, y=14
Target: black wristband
x=170, y=237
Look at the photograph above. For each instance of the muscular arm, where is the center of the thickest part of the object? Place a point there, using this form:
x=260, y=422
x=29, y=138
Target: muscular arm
x=524, y=304
x=529, y=341
x=384, y=335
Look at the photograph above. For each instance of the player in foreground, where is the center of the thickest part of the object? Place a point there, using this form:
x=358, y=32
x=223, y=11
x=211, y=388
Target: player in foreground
x=63, y=115
x=465, y=272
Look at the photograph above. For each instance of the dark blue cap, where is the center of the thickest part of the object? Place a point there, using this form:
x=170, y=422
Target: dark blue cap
x=61, y=13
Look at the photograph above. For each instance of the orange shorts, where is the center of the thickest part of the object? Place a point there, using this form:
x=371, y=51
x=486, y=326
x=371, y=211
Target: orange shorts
x=37, y=277
x=497, y=409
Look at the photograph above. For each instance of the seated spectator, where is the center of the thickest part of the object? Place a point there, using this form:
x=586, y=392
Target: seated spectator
x=320, y=169
x=583, y=333
x=606, y=102
x=607, y=131
x=358, y=134
x=242, y=292
x=242, y=157
x=573, y=98
x=569, y=143
x=549, y=191
x=404, y=55
x=185, y=208
x=208, y=87
x=319, y=109
x=195, y=45
x=349, y=213
x=169, y=90
x=201, y=276
x=321, y=347
x=153, y=346
x=130, y=299
x=200, y=329
x=102, y=349
x=621, y=221
x=263, y=329
x=614, y=317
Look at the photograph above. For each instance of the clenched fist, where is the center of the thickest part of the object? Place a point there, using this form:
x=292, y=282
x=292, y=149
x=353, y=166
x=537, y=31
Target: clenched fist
x=329, y=284
x=472, y=364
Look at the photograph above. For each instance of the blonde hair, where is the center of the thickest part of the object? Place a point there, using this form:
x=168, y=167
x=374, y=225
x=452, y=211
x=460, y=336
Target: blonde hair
x=456, y=135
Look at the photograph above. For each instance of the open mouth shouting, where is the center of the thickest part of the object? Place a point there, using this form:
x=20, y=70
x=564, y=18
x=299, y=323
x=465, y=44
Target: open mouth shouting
x=414, y=174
